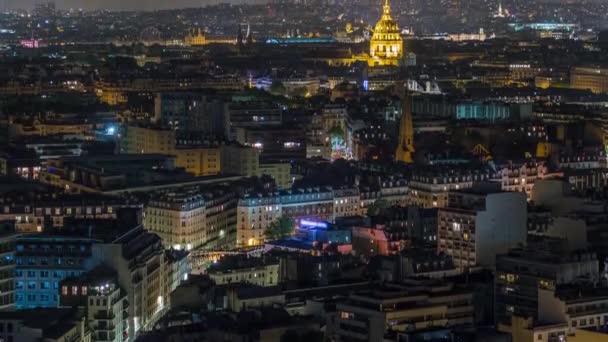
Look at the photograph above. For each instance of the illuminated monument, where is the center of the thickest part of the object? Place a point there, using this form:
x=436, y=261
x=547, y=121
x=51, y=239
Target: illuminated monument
x=195, y=37
x=405, y=147
x=386, y=45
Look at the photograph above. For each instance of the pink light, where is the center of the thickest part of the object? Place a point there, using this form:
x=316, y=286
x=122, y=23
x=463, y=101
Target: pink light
x=30, y=43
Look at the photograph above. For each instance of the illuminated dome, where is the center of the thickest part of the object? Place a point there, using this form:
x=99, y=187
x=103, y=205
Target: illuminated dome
x=386, y=24
x=386, y=45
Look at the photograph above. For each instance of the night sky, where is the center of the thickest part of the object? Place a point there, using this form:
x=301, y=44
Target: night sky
x=121, y=4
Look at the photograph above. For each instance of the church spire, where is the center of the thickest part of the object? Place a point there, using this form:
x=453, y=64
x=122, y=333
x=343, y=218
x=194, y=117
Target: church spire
x=405, y=147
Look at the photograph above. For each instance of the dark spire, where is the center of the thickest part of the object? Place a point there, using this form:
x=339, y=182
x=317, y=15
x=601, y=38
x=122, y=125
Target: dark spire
x=239, y=37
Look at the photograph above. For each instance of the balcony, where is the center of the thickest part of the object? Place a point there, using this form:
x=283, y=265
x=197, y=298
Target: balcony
x=104, y=315
x=104, y=327
x=351, y=334
x=103, y=336
x=430, y=324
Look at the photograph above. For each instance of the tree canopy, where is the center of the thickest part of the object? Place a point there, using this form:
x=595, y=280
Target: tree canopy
x=281, y=228
x=377, y=207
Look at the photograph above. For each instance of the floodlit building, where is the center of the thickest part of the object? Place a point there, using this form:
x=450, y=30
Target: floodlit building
x=254, y=215
x=589, y=78
x=179, y=219
x=386, y=45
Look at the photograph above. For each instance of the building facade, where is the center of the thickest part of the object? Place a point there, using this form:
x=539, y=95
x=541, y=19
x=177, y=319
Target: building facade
x=370, y=315
x=147, y=139
x=522, y=273
x=586, y=78
x=254, y=215
x=430, y=189
x=179, y=219
x=255, y=271
x=105, y=303
x=477, y=224
x=139, y=260
x=42, y=262
x=8, y=238
x=240, y=160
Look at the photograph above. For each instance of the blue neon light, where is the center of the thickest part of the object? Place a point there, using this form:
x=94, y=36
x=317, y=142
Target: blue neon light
x=313, y=224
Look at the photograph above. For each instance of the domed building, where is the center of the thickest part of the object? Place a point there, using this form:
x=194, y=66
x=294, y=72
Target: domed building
x=386, y=45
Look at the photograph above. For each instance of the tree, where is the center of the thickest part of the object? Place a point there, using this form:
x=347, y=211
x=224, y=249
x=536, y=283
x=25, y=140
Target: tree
x=377, y=207
x=277, y=88
x=337, y=131
x=281, y=228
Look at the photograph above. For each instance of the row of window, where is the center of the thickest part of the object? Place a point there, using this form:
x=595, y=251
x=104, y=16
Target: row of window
x=592, y=321
x=32, y=261
x=74, y=290
x=34, y=285
x=47, y=248
x=46, y=274
x=61, y=211
x=20, y=299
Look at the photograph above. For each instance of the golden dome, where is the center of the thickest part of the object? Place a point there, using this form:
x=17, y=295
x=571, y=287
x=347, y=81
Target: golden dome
x=386, y=24
x=386, y=45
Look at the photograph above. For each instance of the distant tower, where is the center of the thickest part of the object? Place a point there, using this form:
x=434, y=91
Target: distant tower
x=500, y=13
x=239, y=37
x=248, y=36
x=405, y=147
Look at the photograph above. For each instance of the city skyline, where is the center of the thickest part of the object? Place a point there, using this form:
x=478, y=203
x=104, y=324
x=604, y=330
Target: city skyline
x=307, y=170
x=123, y=5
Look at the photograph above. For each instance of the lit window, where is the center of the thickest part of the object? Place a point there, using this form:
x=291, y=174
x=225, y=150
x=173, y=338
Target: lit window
x=511, y=278
x=346, y=315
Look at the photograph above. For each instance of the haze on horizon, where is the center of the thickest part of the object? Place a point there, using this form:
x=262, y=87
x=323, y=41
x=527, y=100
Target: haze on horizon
x=122, y=5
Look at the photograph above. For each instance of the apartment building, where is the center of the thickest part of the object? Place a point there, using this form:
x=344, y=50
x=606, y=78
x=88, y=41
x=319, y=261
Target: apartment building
x=430, y=189
x=105, y=303
x=179, y=218
x=523, y=272
x=42, y=261
x=480, y=222
x=237, y=269
x=383, y=310
x=254, y=215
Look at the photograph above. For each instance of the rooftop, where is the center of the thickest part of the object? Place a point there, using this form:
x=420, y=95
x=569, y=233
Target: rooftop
x=236, y=262
x=581, y=292
x=53, y=322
